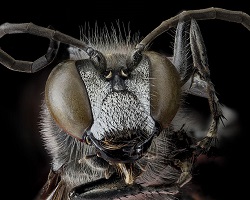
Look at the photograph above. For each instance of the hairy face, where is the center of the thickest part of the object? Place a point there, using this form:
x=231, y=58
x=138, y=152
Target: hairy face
x=120, y=107
x=99, y=121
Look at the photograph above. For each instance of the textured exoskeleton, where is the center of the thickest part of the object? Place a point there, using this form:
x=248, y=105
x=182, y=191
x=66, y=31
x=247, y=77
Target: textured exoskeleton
x=112, y=116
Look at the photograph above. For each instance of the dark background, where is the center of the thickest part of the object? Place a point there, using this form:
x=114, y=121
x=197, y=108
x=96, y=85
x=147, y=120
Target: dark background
x=25, y=163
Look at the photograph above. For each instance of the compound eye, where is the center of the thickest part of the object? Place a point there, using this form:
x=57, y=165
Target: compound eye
x=165, y=89
x=67, y=99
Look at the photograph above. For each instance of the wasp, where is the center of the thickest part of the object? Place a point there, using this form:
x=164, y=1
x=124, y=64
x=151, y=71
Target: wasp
x=113, y=114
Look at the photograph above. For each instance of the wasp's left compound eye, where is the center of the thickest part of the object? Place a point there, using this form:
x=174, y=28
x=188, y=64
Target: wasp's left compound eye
x=67, y=99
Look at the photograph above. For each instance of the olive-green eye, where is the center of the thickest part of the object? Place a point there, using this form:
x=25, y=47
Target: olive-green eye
x=164, y=89
x=67, y=99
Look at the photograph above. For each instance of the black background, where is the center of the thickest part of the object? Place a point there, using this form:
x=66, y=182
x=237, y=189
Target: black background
x=24, y=162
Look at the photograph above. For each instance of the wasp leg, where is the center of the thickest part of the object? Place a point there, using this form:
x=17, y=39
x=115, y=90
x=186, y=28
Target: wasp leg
x=111, y=188
x=185, y=176
x=116, y=188
x=182, y=61
x=181, y=55
x=201, y=69
x=183, y=157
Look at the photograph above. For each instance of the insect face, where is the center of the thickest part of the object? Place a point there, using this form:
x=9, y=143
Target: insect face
x=116, y=110
x=112, y=115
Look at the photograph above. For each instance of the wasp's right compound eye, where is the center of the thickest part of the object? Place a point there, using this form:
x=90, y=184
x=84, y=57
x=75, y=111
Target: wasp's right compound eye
x=67, y=99
x=165, y=89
